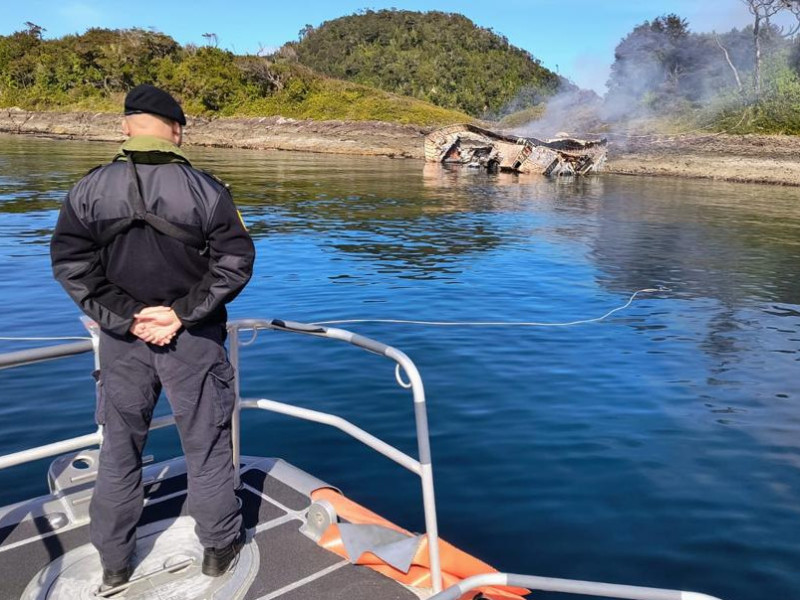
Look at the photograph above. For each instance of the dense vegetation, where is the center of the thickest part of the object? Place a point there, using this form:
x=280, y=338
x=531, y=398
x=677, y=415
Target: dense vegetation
x=93, y=71
x=426, y=68
x=664, y=70
x=438, y=57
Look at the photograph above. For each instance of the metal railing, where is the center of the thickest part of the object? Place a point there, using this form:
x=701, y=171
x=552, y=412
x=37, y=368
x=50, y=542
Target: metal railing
x=35, y=355
x=403, y=363
x=421, y=466
x=566, y=586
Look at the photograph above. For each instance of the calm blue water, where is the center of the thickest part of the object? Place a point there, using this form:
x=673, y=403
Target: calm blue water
x=660, y=447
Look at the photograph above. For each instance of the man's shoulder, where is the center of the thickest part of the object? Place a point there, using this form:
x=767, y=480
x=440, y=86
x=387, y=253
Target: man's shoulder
x=211, y=178
x=93, y=169
x=95, y=176
x=98, y=170
x=204, y=183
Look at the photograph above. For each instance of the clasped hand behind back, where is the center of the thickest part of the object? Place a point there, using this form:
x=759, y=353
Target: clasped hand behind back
x=156, y=325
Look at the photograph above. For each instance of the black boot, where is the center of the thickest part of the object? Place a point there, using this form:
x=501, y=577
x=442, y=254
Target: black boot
x=112, y=579
x=217, y=560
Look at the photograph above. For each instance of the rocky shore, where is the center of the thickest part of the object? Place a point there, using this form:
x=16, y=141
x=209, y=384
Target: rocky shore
x=769, y=159
x=749, y=158
x=368, y=138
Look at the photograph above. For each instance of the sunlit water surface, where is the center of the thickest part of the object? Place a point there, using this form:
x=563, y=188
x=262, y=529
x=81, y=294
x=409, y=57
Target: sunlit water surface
x=660, y=447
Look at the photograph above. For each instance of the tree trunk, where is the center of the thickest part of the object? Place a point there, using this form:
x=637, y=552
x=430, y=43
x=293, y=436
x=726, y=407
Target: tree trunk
x=757, y=66
x=730, y=64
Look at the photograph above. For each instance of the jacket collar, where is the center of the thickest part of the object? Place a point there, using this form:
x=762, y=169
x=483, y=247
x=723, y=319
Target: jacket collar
x=148, y=149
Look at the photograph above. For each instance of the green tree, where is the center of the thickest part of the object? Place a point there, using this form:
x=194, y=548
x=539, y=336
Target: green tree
x=439, y=57
x=95, y=69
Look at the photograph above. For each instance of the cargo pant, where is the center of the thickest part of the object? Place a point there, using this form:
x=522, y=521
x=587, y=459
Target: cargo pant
x=197, y=378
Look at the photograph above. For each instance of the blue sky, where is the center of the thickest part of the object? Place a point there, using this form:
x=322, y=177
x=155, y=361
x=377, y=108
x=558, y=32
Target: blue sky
x=576, y=37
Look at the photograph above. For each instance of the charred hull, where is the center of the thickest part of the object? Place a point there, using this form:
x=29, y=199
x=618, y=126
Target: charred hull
x=474, y=146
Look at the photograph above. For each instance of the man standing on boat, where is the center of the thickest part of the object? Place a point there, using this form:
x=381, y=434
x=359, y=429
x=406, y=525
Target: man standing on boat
x=152, y=249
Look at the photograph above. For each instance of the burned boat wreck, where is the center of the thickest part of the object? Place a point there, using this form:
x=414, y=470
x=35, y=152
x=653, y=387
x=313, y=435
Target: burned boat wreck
x=474, y=146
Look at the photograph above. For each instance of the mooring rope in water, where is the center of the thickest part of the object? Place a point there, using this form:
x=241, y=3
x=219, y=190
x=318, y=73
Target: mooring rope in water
x=499, y=323
x=413, y=322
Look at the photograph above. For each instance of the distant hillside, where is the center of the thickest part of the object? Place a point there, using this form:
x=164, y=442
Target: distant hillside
x=92, y=71
x=438, y=57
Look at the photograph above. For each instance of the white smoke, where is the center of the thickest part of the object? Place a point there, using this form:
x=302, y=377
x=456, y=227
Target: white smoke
x=658, y=75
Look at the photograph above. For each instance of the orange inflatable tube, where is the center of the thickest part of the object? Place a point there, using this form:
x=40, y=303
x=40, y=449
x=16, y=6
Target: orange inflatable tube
x=456, y=564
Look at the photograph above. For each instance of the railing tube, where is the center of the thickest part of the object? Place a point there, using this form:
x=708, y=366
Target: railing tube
x=70, y=445
x=54, y=449
x=35, y=355
x=566, y=586
x=426, y=466
x=235, y=418
x=339, y=423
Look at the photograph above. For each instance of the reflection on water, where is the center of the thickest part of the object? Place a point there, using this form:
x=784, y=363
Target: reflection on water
x=721, y=240
x=661, y=447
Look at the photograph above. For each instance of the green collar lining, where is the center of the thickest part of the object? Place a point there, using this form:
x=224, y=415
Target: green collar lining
x=151, y=150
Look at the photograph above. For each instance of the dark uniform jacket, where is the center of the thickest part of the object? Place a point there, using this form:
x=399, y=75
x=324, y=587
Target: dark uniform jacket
x=113, y=277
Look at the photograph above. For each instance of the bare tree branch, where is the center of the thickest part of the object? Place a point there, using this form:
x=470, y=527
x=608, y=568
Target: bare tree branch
x=730, y=63
x=212, y=39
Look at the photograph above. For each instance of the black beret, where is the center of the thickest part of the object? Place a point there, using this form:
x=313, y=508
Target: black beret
x=146, y=98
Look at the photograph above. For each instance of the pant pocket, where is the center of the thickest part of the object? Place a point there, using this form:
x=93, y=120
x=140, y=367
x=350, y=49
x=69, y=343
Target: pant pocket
x=100, y=399
x=223, y=395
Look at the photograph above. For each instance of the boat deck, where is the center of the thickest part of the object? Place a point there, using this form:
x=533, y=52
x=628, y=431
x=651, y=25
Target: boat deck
x=45, y=551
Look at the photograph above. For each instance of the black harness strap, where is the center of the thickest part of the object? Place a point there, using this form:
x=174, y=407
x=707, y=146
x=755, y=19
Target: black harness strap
x=140, y=213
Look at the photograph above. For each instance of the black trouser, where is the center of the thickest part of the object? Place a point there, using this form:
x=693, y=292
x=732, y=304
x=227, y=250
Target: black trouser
x=197, y=378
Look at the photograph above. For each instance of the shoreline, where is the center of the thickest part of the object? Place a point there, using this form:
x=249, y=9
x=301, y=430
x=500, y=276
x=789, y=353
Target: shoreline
x=752, y=158
x=364, y=138
x=767, y=159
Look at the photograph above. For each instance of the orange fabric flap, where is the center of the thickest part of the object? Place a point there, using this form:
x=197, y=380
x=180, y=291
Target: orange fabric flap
x=456, y=564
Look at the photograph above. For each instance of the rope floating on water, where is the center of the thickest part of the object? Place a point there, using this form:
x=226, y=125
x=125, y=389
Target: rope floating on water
x=498, y=323
x=426, y=323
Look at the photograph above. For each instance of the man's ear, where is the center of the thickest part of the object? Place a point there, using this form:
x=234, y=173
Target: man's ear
x=177, y=133
x=125, y=129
